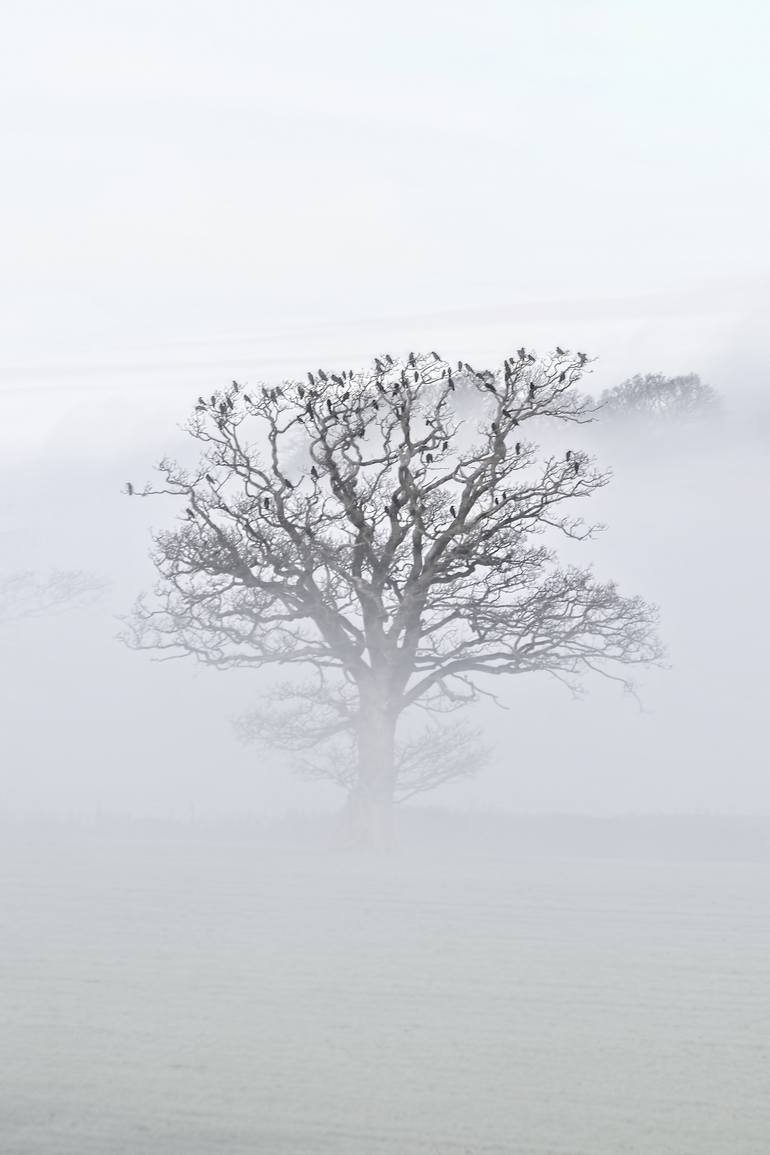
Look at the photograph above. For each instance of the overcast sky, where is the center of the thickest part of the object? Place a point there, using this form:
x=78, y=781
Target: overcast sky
x=184, y=170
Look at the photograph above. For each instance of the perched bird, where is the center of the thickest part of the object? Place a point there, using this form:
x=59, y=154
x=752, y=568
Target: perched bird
x=210, y=479
x=568, y=455
x=445, y=446
x=459, y=366
x=497, y=501
x=201, y=401
x=376, y=405
x=308, y=531
x=451, y=383
x=518, y=448
x=266, y=503
x=309, y=408
x=494, y=427
x=236, y=386
x=379, y=365
x=336, y=379
x=562, y=378
x=247, y=398
x=345, y=395
x=190, y=513
x=411, y=361
x=531, y=357
x=287, y=484
x=213, y=398
x=522, y=353
x=453, y=511
x=311, y=379
x=329, y=405
x=416, y=376
x=488, y=385
x=388, y=358
x=129, y=489
x=230, y=403
x=323, y=376
x=314, y=473
x=301, y=392
x=560, y=351
x=435, y=355
x=532, y=388
x=429, y=458
x=576, y=467
x=507, y=413
x=583, y=358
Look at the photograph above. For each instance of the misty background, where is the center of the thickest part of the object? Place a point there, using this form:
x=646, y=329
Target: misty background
x=193, y=195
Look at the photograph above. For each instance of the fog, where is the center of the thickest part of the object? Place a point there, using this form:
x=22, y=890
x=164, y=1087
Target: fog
x=566, y=951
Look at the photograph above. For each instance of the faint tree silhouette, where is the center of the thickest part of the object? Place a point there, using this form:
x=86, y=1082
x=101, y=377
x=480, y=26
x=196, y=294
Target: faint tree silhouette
x=654, y=395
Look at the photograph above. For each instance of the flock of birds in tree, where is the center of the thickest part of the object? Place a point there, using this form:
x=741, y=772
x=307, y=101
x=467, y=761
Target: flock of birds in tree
x=326, y=411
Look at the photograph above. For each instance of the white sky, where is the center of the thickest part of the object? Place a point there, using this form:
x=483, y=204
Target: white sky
x=190, y=170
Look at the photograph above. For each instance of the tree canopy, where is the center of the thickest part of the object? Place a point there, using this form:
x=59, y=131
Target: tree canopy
x=350, y=523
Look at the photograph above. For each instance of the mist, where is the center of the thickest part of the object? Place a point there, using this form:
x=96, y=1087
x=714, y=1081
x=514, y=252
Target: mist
x=566, y=950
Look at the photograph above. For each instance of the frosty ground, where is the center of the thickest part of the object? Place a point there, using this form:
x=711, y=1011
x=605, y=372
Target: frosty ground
x=522, y=988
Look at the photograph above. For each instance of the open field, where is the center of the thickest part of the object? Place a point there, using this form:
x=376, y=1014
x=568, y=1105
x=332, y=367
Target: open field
x=211, y=991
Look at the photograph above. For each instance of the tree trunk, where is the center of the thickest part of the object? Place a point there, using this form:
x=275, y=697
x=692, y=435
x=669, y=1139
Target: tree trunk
x=370, y=807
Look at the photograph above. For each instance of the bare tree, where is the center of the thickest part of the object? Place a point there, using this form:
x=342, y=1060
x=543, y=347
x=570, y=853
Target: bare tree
x=654, y=395
x=26, y=594
x=349, y=525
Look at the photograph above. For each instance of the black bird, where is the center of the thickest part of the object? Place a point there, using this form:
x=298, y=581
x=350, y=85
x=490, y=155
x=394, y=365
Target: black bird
x=129, y=489
x=388, y=358
x=494, y=427
x=309, y=408
x=346, y=395
x=429, y=458
x=411, y=360
x=497, y=501
x=532, y=388
x=322, y=375
x=210, y=479
x=314, y=472
x=445, y=446
x=488, y=385
x=222, y=408
x=507, y=413
x=560, y=351
x=459, y=366
x=453, y=511
x=199, y=408
x=416, y=375
x=311, y=379
x=568, y=455
x=531, y=357
x=435, y=355
x=576, y=467
x=376, y=405
x=451, y=383
x=583, y=358
x=522, y=353
x=379, y=365
x=236, y=386
x=468, y=367
x=201, y=401
x=336, y=379
x=518, y=448
x=329, y=405
x=189, y=513
x=301, y=392
x=247, y=398
x=308, y=531
x=230, y=403
x=562, y=378
x=287, y=484
x=266, y=503
x=213, y=398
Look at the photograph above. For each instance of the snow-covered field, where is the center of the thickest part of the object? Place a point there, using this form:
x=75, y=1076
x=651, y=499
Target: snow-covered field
x=213, y=993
